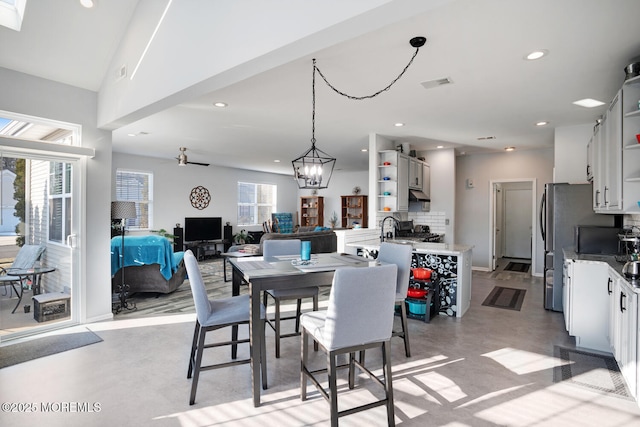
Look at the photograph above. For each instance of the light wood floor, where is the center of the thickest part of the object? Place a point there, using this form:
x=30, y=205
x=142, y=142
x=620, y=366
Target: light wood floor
x=493, y=367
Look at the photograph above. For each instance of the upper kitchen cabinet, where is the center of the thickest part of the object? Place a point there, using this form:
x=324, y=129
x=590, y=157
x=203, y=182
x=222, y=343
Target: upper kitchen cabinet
x=415, y=174
x=614, y=154
x=631, y=153
x=393, y=185
x=426, y=180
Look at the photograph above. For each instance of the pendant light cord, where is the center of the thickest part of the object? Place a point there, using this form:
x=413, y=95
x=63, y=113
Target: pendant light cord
x=359, y=98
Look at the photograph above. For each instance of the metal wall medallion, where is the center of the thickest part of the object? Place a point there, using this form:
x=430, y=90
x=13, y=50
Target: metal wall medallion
x=200, y=197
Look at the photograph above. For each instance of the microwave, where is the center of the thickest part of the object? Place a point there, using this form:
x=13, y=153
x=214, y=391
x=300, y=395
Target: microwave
x=591, y=239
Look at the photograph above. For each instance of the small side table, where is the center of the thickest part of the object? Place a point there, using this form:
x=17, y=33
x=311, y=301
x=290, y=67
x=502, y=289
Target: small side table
x=35, y=274
x=225, y=259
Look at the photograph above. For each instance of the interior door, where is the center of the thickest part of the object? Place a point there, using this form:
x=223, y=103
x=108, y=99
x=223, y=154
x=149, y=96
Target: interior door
x=517, y=223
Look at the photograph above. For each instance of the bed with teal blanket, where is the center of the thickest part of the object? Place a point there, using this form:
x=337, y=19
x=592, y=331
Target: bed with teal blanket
x=150, y=265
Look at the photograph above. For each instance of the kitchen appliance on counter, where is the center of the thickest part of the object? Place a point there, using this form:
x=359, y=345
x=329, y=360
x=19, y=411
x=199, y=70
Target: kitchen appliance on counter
x=562, y=208
x=593, y=239
x=421, y=233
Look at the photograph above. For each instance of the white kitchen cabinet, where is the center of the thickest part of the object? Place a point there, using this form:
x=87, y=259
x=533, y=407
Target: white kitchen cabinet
x=586, y=312
x=614, y=154
x=426, y=180
x=393, y=176
x=566, y=293
x=613, y=177
x=630, y=113
x=415, y=174
x=623, y=330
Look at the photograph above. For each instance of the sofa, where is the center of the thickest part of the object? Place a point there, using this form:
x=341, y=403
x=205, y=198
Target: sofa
x=150, y=265
x=322, y=241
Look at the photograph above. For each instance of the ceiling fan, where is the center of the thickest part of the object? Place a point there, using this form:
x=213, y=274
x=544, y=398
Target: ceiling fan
x=182, y=159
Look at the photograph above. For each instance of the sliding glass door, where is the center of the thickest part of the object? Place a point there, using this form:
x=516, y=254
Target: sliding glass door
x=39, y=228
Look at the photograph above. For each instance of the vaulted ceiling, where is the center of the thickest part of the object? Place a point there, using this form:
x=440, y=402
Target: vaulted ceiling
x=479, y=46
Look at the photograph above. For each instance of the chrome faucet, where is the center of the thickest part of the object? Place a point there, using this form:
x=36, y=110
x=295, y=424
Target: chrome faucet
x=382, y=226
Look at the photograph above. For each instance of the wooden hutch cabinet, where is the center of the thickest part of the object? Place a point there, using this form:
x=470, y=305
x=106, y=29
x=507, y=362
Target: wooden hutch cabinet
x=354, y=209
x=312, y=211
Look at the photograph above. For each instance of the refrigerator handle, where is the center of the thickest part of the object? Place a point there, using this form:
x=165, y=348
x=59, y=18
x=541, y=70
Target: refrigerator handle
x=543, y=202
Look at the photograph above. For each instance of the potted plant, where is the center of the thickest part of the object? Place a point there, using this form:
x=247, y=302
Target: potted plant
x=242, y=237
x=333, y=220
x=162, y=232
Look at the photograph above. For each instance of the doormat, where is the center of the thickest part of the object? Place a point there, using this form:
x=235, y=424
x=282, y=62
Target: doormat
x=591, y=370
x=40, y=347
x=521, y=267
x=508, y=298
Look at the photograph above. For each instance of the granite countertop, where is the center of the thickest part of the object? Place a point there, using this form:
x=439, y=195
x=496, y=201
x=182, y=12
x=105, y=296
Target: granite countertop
x=607, y=259
x=420, y=247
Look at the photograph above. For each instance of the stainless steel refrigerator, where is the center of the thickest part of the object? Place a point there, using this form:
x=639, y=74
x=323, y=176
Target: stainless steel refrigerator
x=562, y=208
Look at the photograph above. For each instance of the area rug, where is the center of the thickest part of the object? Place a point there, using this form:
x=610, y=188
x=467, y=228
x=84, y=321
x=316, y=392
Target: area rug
x=180, y=301
x=521, y=267
x=591, y=370
x=40, y=347
x=507, y=298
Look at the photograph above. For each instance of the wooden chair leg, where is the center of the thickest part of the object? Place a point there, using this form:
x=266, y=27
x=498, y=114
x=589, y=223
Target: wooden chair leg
x=405, y=329
x=276, y=322
x=263, y=355
x=333, y=387
x=352, y=370
x=303, y=364
x=193, y=348
x=388, y=384
x=196, y=368
x=315, y=308
x=298, y=313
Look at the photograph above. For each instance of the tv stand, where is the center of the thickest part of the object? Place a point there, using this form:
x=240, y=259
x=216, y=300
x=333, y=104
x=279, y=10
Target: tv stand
x=205, y=249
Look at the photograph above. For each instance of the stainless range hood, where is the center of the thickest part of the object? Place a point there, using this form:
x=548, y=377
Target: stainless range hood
x=417, y=195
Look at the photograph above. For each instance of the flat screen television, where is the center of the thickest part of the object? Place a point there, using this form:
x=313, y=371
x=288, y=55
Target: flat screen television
x=202, y=229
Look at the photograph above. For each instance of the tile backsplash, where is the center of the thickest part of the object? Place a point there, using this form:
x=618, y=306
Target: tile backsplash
x=435, y=220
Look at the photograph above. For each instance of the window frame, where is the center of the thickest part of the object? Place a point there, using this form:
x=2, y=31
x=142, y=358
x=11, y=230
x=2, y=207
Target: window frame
x=256, y=205
x=135, y=223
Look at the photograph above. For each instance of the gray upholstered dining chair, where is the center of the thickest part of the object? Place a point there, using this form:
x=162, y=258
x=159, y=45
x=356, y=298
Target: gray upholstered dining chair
x=399, y=255
x=273, y=248
x=26, y=258
x=213, y=314
x=359, y=317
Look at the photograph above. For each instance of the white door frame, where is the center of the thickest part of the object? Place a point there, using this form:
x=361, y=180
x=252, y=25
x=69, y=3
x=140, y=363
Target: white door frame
x=492, y=219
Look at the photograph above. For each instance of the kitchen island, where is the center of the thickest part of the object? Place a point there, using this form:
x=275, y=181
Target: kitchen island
x=451, y=263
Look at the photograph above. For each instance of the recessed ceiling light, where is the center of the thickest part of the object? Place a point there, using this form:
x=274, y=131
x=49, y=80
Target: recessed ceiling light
x=220, y=104
x=88, y=3
x=536, y=54
x=276, y=161
x=399, y=124
x=440, y=146
x=542, y=123
x=364, y=150
x=589, y=103
x=509, y=148
x=131, y=134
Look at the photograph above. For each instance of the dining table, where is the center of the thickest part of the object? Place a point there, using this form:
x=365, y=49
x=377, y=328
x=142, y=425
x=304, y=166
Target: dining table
x=282, y=272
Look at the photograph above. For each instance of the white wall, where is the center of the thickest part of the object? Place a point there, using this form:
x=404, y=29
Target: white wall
x=38, y=97
x=172, y=186
x=341, y=184
x=472, y=204
x=570, y=153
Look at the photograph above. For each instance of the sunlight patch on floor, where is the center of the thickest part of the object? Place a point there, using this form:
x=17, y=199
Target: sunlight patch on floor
x=524, y=362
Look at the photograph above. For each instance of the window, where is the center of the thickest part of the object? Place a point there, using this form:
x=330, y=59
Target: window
x=59, y=201
x=256, y=202
x=136, y=187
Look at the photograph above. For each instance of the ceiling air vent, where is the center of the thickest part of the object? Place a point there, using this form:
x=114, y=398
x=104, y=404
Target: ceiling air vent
x=435, y=83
